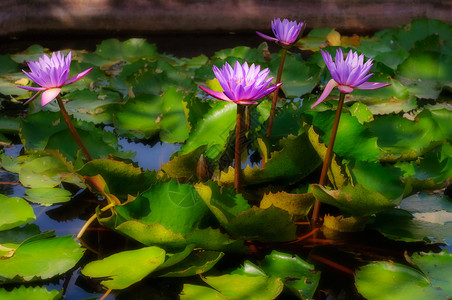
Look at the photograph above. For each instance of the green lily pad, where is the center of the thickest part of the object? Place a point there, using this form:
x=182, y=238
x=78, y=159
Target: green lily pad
x=197, y=262
x=123, y=269
x=35, y=293
x=296, y=160
x=41, y=258
x=349, y=134
x=213, y=130
x=353, y=200
x=421, y=217
x=387, y=280
x=15, y=212
x=361, y=112
x=298, y=77
x=46, y=171
x=184, y=166
x=235, y=287
x=121, y=178
x=298, y=276
x=242, y=222
x=47, y=196
x=177, y=207
x=297, y=205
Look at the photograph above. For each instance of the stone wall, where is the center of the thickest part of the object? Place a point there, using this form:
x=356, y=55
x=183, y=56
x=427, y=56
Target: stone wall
x=150, y=16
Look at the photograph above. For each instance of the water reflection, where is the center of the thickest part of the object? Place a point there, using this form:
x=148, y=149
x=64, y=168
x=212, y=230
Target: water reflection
x=147, y=156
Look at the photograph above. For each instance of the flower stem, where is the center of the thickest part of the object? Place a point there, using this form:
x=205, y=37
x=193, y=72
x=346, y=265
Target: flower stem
x=327, y=160
x=238, y=150
x=275, y=93
x=91, y=220
x=72, y=129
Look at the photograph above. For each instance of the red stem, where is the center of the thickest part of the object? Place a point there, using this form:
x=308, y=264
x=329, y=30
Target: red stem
x=238, y=151
x=327, y=160
x=275, y=93
x=72, y=129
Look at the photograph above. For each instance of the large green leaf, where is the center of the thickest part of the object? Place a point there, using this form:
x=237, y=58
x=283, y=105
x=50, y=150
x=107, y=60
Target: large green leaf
x=121, y=178
x=197, y=262
x=398, y=135
x=387, y=280
x=213, y=130
x=146, y=115
x=46, y=171
x=353, y=140
x=35, y=293
x=271, y=224
x=298, y=276
x=353, y=200
x=177, y=207
x=296, y=160
x=298, y=77
x=235, y=287
x=41, y=258
x=15, y=212
x=420, y=217
x=47, y=196
x=123, y=269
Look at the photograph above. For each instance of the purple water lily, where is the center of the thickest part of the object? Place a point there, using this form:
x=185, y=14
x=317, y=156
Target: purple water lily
x=348, y=74
x=286, y=32
x=242, y=85
x=51, y=73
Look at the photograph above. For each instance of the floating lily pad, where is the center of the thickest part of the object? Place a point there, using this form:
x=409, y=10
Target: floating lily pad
x=41, y=258
x=388, y=280
x=213, y=130
x=298, y=276
x=123, y=269
x=197, y=262
x=47, y=196
x=353, y=200
x=35, y=293
x=235, y=287
x=420, y=217
x=15, y=212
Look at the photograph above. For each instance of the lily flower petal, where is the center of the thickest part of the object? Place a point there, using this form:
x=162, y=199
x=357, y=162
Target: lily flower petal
x=78, y=76
x=372, y=85
x=218, y=95
x=48, y=95
x=329, y=87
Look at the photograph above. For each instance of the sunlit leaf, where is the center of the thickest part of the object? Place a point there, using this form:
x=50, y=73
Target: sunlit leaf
x=35, y=293
x=388, y=280
x=420, y=217
x=235, y=287
x=121, y=178
x=15, y=212
x=47, y=196
x=213, y=130
x=41, y=259
x=197, y=262
x=353, y=139
x=125, y=268
x=354, y=200
x=298, y=276
x=296, y=160
x=295, y=204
